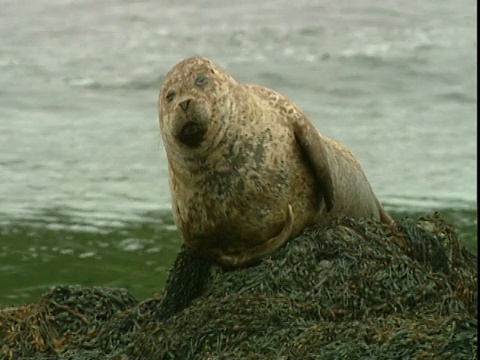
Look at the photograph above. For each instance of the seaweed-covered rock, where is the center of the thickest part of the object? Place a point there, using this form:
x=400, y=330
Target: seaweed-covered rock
x=64, y=318
x=350, y=290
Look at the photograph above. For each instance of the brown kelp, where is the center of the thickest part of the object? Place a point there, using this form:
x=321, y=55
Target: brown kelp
x=354, y=289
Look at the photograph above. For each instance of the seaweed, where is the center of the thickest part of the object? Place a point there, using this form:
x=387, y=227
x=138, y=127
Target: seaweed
x=353, y=289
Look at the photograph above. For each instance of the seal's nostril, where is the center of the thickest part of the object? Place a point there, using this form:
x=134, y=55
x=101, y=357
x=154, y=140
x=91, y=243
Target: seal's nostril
x=184, y=104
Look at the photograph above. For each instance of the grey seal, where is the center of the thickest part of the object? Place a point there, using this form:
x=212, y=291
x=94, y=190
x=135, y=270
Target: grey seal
x=247, y=168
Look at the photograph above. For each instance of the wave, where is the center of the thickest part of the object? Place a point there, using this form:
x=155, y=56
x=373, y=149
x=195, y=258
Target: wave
x=427, y=203
x=144, y=83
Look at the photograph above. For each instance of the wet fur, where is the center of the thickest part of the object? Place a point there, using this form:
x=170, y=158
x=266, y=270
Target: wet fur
x=260, y=157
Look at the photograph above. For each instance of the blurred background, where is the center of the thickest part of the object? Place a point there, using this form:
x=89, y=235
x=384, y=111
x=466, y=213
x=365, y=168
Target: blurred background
x=83, y=176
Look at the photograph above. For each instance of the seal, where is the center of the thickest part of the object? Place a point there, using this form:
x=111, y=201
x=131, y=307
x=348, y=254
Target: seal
x=247, y=169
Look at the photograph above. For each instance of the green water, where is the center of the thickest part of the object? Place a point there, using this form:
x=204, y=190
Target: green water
x=36, y=255
x=58, y=249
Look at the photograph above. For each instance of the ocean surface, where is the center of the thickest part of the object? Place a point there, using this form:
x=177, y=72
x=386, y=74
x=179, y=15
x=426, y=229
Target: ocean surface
x=84, y=193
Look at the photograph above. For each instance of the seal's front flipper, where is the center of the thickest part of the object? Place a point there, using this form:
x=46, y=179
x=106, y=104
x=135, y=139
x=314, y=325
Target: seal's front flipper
x=254, y=254
x=314, y=149
x=186, y=281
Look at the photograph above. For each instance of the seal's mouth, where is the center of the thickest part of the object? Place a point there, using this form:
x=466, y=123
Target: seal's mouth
x=191, y=134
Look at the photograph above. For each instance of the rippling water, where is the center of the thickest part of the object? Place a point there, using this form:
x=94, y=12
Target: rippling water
x=80, y=151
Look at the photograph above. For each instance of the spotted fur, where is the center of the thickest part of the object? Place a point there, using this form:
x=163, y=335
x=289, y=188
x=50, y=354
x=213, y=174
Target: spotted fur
x=260, y=173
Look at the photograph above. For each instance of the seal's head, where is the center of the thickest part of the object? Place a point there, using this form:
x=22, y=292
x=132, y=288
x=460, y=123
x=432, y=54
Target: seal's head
x=195, y=104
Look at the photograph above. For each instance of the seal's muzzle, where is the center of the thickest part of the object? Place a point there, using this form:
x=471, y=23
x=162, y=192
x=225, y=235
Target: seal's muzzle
x=192, y=134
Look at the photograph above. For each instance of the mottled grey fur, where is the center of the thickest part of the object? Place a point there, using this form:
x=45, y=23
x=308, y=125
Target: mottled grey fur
x=261, y=172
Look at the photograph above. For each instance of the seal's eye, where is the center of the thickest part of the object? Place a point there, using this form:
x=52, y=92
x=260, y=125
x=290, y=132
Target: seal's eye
x=170, y=95
x=201, y=81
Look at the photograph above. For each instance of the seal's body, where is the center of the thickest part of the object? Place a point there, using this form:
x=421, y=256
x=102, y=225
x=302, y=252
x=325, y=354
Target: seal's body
x=247, y=169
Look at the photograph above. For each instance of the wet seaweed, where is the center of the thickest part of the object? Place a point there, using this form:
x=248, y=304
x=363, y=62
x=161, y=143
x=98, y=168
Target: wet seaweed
x=354, y=289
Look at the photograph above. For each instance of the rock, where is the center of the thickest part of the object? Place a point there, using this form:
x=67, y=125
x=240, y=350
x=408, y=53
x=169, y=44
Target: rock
x=352, y=289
